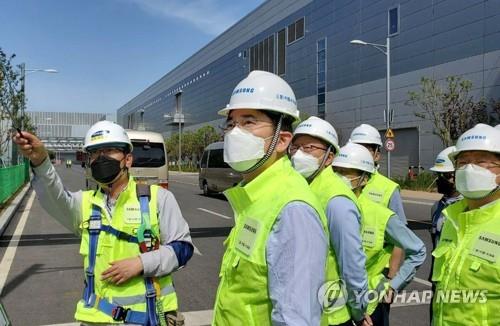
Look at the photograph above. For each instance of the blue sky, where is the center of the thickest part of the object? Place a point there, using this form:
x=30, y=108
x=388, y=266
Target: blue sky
x=107, y=51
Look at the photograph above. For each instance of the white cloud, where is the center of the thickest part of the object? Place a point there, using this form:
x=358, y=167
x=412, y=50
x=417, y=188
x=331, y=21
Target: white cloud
x=209, y=16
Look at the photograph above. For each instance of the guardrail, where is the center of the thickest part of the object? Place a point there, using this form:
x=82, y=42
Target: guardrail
x=12, y=178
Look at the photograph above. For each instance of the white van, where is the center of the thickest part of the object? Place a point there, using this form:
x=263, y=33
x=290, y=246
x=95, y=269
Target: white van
x=215, y=175
x=150, y=163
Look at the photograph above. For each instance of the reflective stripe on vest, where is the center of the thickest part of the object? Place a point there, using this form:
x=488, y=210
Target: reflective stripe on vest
x=467, y=266
x=325, y=186
x=243, y=293
x=380, y=189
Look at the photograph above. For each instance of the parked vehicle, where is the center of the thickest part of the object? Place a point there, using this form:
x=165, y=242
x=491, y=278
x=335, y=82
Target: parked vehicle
x=215, y=175
x=150, y=157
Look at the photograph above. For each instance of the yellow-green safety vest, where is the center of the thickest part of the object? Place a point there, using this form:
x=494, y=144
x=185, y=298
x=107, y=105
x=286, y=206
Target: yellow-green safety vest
x=327, y=185
x=243, y=295
x=380, y=189
x=467, y=267
x=126, y=218
x=374, y=218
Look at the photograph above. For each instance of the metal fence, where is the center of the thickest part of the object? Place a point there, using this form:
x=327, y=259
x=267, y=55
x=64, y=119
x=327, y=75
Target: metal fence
x=11, y=179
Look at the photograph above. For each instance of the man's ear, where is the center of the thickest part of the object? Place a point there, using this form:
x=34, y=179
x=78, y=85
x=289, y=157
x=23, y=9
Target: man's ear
x=330, y=158
x=128, y=160
x=285, y=138
x=376, y=157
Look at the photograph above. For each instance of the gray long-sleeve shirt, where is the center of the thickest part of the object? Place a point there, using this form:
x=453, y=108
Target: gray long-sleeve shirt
x=399, y=235
x=65, y=207
x=344, y=222
x=296, y=253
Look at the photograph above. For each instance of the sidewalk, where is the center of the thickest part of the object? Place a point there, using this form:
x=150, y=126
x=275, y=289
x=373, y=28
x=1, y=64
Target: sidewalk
x=420, y=195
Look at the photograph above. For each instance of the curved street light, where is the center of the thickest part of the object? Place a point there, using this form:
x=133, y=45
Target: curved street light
x=386, y=50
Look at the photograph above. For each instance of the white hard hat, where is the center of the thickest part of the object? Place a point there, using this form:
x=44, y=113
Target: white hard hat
x=354, y=156
x=365, y=134
x=480, y=138
x=262, y=90
x=443, y=162
x=318, y=128
x=106, y=134
x=497, y=126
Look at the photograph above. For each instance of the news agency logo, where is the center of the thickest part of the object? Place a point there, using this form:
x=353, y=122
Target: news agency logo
x=332, y=296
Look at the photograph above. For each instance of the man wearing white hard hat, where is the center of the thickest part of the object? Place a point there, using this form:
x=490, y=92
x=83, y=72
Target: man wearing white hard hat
x=445, y=182
x=275, y=257
x=312, y=151
x=381, y=231
x=467, y=257
x=133, y=237
x=380, y=188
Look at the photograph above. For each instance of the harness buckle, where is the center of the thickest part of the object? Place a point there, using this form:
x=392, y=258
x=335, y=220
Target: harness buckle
x=119, y=313
x=95, y=225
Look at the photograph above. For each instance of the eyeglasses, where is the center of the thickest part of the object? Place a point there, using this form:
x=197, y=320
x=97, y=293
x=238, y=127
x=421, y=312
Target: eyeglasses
x=305, y=148
x=247, y=123
x=481, y=163
x=104, y=151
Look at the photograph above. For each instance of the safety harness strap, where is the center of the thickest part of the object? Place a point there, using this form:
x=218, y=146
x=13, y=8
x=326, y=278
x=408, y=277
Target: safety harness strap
x=94, y=230
x=147, y=243
x=119, y=234
x=118, y=313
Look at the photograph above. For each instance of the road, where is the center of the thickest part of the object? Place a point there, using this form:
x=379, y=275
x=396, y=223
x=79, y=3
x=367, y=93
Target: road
x=41, y=273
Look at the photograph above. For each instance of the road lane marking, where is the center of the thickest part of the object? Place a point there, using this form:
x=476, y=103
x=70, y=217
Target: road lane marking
x=419, y=221
x=10, y=253
x=421, y=281
x=185, y=183
x=408, y=201
x=214, y=213
x=196, y=250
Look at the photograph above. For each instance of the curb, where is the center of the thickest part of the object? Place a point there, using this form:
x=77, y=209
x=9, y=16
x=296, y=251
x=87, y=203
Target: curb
x=11, y=209
x=413, y=194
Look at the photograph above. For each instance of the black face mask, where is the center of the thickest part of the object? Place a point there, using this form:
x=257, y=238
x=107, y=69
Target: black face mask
x=444, y=186
x=105, y=169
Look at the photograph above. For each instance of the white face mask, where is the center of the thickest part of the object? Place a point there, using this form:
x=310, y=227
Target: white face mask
x=305, y=163
x=348, y=181
x=474, y=181
x=242, y=149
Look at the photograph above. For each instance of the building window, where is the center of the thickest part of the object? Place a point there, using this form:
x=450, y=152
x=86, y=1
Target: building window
x=281, y=52
x=321, y=77
x=296, y=30
x=393, y=21
x=262, y=55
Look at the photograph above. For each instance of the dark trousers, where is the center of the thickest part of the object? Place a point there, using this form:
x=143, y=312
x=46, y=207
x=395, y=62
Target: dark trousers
x=380, y=317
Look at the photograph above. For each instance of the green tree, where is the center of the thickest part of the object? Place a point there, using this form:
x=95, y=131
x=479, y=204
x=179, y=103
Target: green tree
x=12, y=101
x=451, y=107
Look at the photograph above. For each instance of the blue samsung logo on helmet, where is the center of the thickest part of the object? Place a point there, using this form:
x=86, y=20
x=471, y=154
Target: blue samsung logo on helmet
x=440, y=160
x=246, y=90
x=282, y=97
x=473, y=137
x=343, y=155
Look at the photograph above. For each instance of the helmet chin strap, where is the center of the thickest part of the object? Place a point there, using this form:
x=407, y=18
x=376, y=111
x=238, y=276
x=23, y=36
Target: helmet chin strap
x=321, y=166
x=270, y=150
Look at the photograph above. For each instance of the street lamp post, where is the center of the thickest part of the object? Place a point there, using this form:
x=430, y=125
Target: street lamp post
x=386, y=50
x=25, y=72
